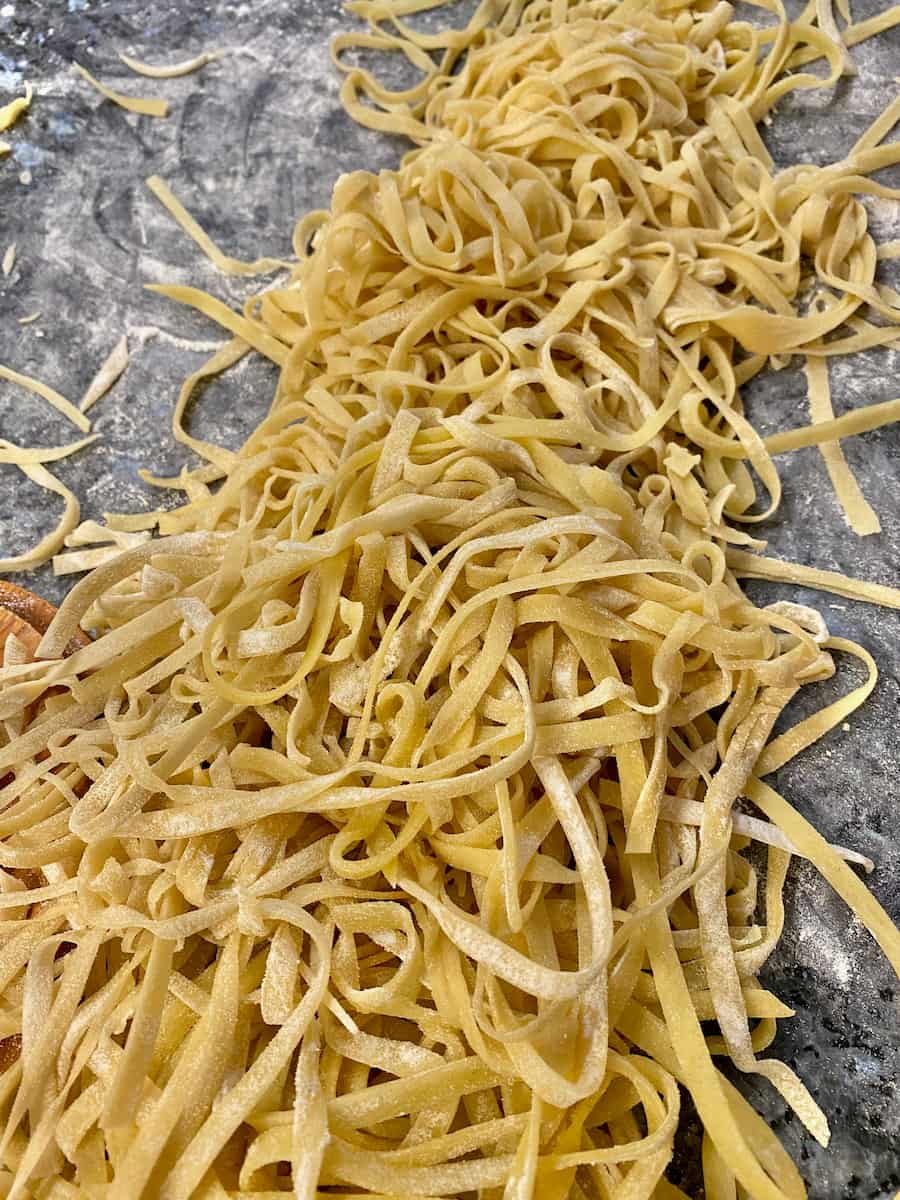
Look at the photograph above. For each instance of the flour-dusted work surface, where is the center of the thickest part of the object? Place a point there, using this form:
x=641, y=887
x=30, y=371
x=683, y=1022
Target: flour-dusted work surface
x=255, y=140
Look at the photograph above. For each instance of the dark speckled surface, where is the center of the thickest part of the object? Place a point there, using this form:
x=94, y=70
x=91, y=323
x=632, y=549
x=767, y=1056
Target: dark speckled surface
x=251, y=144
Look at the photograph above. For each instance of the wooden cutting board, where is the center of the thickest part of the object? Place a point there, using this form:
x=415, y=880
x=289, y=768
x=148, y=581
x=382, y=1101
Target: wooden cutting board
x=28, y=616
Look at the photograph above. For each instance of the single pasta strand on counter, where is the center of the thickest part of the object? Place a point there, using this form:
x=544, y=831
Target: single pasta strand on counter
x=384, y=839
x=10, y=113
x=173, y=70
x=141, y=105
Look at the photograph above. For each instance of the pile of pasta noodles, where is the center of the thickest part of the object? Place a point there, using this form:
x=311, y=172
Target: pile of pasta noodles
x=384, y=842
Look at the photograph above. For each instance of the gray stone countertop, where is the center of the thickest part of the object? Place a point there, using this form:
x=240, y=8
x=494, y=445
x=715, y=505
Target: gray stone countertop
x=253, y=142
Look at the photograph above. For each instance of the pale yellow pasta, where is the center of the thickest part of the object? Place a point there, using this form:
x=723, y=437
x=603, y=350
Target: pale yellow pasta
x=11, y=112
x=172, y=71
x=142, y=106
x=231, y=266
x=384, y=841
x=110, y=371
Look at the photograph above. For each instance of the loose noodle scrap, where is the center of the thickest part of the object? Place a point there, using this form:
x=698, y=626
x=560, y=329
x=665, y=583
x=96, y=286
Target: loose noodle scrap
x=111, y=370
x=92, y=544
x=384, y=840
x=60, y=403
x=143, y=106
x=174, y=70
x=231, y=266
x=11, y=112
x=30, y=462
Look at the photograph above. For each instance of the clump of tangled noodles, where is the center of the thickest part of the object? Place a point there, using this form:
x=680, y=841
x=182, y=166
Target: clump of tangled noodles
x=383, y=841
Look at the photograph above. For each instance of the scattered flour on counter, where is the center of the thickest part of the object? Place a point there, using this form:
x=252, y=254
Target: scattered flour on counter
x=28, y=155
x=829, y=952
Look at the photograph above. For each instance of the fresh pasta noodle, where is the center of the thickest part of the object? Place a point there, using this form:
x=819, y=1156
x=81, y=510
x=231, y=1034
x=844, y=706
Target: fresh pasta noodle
x=383, y=842
x=174, y=70
x=231, y=266
x=110, y=371
x=31, y=460
x=60, y=403
x=143, y=106
x=11, y=112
